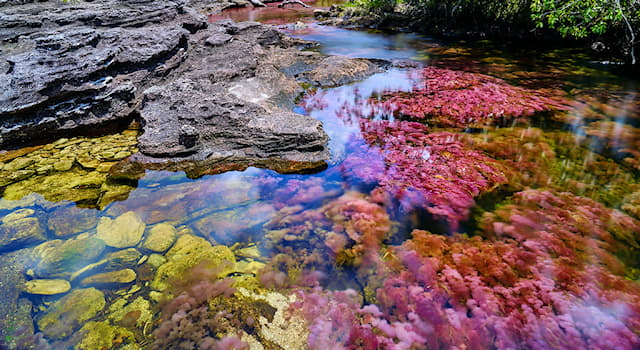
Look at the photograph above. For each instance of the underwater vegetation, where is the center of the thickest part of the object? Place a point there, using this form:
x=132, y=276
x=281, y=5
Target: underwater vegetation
x=545, y=276
x=449, y=98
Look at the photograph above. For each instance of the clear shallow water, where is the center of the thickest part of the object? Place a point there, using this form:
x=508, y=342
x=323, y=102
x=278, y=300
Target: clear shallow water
x=543, y=260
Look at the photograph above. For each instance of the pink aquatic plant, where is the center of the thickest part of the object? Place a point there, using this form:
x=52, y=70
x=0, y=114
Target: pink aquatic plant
x=450, y=98
x=552, y=280
x=432, y=171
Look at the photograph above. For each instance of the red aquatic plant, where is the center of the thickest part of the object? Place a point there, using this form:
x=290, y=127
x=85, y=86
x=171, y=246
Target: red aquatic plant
x=551, y=281
x=431, y=171
x=450, y=98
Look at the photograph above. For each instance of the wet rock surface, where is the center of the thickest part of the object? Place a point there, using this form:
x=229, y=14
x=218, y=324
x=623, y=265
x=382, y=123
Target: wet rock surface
x=70, y=311
x=205, y=93
x=20, y=228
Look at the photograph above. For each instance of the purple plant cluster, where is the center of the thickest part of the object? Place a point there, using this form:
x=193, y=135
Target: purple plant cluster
x=418, y=169
x=532, y=282
x=545, y=270
x=450, y=98
x=189, y=321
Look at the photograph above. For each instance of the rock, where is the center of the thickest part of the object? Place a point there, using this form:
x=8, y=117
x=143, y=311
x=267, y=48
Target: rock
x=15, y=312
x=47, y=287
x=9, y=177
x=20, y=229
x=125, y=231
x=108, y=278
x=121, y=259
x=230, y=226
x=187, y=252
x=218, y=39
x=69, y=58
x=64, y=164
x=156, y=260
x=320, y=13
x=339, y=70
x=76, y=185
x=160, y=238
x=135, y=314
x=127, y=171
x=68, y=221
x=19, y=164
x=58, y=258
x=102, y=335
x=226, y=126
x=67, y=314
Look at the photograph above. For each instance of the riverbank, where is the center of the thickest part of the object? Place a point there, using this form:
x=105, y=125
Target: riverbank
x=515, y=29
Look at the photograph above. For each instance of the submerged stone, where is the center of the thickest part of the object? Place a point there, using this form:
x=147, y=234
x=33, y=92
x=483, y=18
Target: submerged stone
x=189, y=251
x=160, y=238
x=135, y=314
x=71, y=220
x=125, y=231
x=68, y=313
x=47, y=287
x=58, y=258
x=102, y=335
x=121, y=259
x=19, y=229
x=108, y=278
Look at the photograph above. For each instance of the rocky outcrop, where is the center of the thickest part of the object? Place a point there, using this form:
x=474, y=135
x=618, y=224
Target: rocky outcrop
x=74, y=68
x=207, y=94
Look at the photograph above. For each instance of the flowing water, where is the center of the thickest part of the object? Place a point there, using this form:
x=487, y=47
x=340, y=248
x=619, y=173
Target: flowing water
x=520, y=233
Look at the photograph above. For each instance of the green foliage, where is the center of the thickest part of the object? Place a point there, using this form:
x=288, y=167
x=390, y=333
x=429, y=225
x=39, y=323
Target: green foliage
x=581, y=18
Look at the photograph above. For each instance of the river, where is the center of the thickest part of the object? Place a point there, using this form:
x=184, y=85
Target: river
x=479, y=195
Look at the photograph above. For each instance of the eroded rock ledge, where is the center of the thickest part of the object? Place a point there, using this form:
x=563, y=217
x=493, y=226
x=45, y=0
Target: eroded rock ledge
x=205, y=93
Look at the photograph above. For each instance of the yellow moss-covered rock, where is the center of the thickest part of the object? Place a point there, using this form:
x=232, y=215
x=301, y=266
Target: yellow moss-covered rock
x=47, y=287
x=102, y=335
x=72, y=310
x=160, y=237
x=125, y=231
x=189, y=251
x=135, y=314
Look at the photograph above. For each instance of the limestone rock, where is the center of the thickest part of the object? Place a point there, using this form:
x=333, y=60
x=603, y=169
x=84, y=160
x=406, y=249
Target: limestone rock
x=58, y=258
x=20, y=229
x=76, y=185
x=125, y=231
x=69, y=58
x=67, y=314
x=339, y=70
x=109, y=278
x=47, y=287
x=9, y=177
x=218, y=39
x=221, y=125
x=187, y=252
